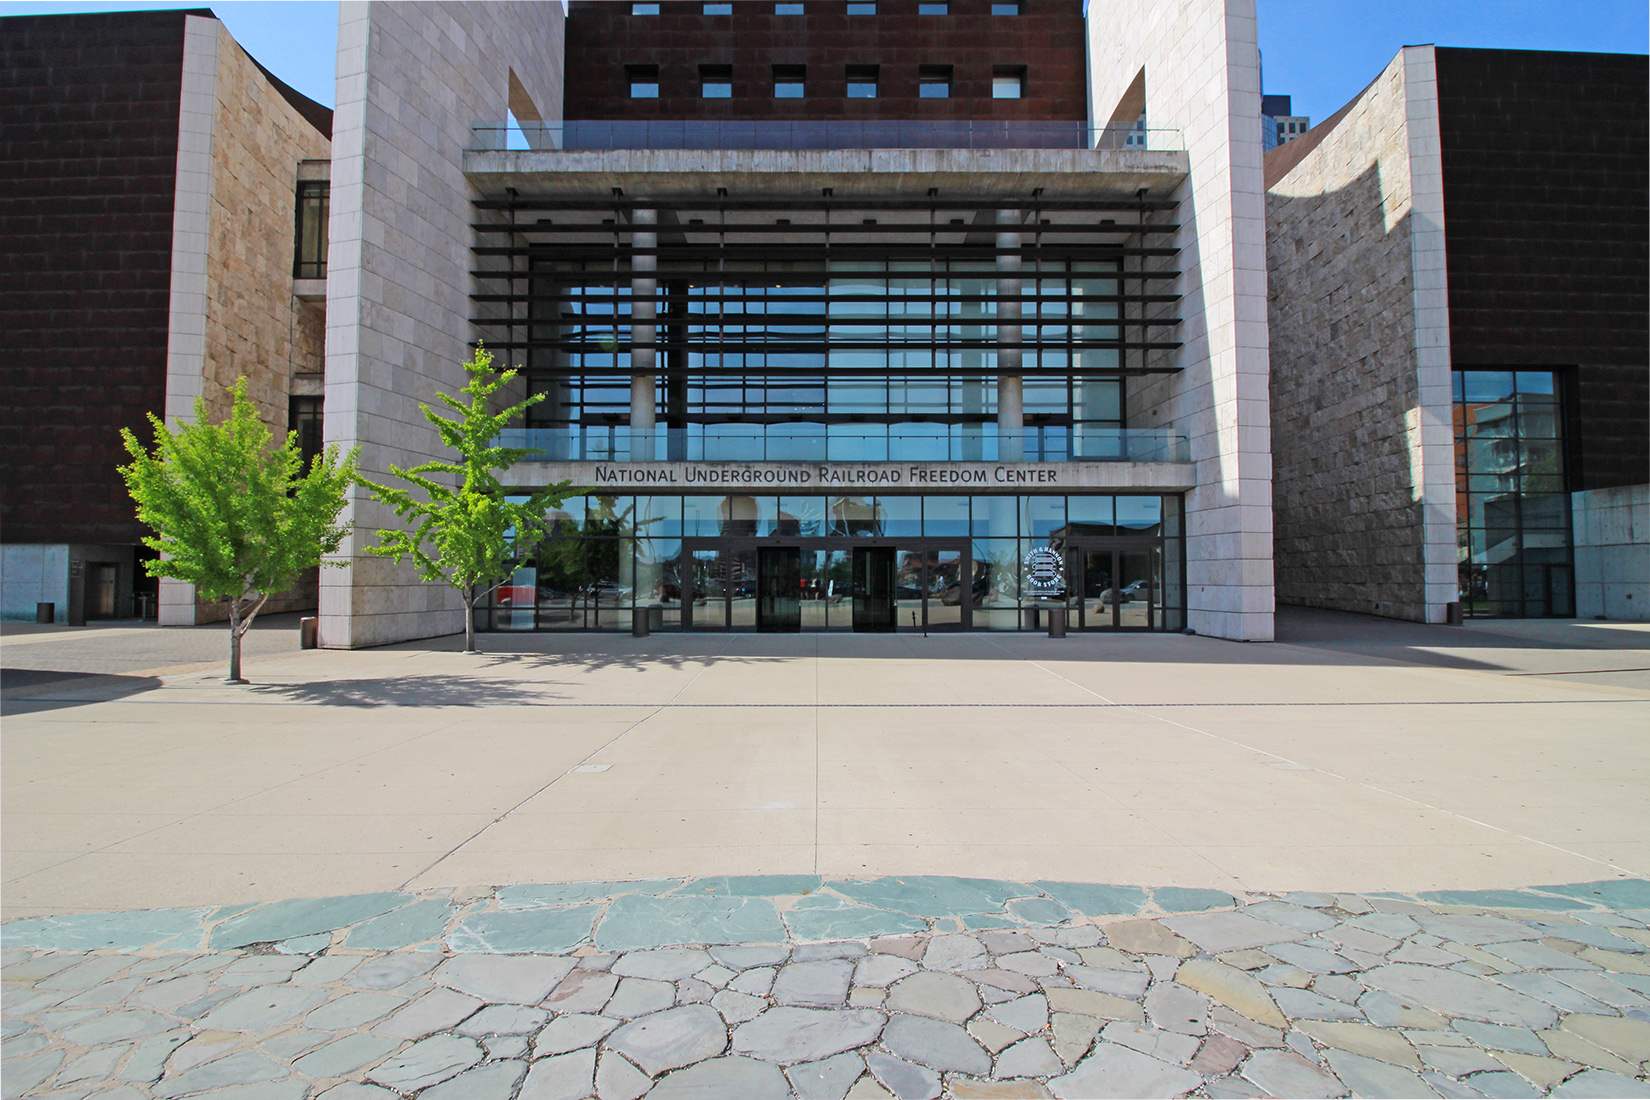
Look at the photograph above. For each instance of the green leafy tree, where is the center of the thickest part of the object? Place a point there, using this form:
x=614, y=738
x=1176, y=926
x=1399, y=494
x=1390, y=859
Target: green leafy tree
x=233, y=515
x=466, y=534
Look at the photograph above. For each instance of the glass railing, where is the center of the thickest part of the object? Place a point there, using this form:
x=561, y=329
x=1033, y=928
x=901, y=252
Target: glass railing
x=575, y=136
x=848, y=443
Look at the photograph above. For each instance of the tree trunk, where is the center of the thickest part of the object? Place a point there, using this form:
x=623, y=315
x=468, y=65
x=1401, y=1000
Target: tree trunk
x=235, y=641
x=470, y=620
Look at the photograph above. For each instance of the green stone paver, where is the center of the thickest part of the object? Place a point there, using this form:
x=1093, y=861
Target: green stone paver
x=283, y=920
x=1178, y=899
x=1038, y=911
x=571, y=893
x=1094, y=900
x=552, y=930
x=423, y=920
x=1632, y=893
x=114, y=931
x=754, y=886
x=822, y=988
x=933, y=896
x=1503, y=899
x=829, y=918
x=638, y=920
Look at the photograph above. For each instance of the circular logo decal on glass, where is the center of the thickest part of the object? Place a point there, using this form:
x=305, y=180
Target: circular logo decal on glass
x=1045, y=572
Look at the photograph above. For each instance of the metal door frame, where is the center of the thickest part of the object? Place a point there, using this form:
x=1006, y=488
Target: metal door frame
x=1077, y=546
x=692, y=619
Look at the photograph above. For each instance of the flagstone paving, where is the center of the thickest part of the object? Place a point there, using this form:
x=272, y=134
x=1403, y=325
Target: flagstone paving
x=824, y=989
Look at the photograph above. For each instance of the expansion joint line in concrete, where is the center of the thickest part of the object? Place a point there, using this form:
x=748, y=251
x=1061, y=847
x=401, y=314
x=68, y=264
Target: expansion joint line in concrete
x=655, y=711
x=1348, y=779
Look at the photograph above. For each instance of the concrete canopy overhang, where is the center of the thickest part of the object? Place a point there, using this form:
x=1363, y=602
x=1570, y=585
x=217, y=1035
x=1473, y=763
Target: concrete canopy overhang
x=1060, y=173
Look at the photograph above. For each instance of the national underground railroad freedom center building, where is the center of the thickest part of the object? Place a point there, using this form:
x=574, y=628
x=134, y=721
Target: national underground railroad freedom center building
x=850, y=316
x=899, y=315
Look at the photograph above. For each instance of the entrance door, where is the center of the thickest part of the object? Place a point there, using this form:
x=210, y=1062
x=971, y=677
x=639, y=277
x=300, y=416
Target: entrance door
x=102, y=587
x=873, y=588
x=1116, y=586
x=778, y=589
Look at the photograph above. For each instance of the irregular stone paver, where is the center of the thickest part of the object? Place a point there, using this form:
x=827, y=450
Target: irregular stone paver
x=1457, y=994
x=671, y=1039
x=936, y=1044
x=1379, y=995
x=724, y=1077
x=261, y=1008
x=511, y=979
x=827, y=1079
x=1285, y=1073
x=561, y=1077
x=427, y=1062
x=942, y=996
x=821, y=984
x=901, y=1078
x=637, y=920
x=789, y=1035
x=282, y=920
x=1119, y=1071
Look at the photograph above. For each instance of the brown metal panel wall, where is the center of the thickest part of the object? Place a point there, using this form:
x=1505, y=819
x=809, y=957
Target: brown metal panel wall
x=1047, y=38
x=1546, y=227
x=88, y=160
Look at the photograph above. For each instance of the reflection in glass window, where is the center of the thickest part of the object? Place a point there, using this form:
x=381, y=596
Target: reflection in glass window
x=1512, y=507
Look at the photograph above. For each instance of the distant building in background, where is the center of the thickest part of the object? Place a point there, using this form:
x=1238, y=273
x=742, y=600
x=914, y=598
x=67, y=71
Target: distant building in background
x=1279, y=124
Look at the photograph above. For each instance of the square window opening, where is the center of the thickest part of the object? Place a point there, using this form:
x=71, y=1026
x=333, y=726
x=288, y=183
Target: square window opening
x=789, y=81
x=1006, y=9
x=934, y=7
x=787, y=9
x=862, y=9
x=715, y=81
x=934, y=81
x=718, y=9
x=862, y=81
x=643, y=81
x=644, y=9
x=1008, y=82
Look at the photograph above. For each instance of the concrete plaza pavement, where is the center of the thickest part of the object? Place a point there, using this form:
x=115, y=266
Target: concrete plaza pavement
x=1371, y=859
x=1354, y=754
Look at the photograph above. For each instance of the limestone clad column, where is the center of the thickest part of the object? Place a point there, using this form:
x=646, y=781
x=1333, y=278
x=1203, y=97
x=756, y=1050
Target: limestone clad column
x=1010, y=400
x=643, y=331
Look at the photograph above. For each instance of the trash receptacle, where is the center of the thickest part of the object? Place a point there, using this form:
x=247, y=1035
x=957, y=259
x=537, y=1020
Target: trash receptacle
x=45, y=612
x=1452, y=613
x=309, y=632
x=1056, y=622
x=638, y=622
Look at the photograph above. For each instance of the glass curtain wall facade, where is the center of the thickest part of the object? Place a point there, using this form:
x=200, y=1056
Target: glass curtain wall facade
x=1511, y=491
x=846, y=563
x=816, y=329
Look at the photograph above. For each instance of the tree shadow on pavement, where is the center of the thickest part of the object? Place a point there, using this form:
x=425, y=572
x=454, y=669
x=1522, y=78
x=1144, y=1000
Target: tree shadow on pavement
x=413, y=691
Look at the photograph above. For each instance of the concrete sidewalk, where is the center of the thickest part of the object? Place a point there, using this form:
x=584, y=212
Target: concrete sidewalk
x=1337, y=763
x=823, y=867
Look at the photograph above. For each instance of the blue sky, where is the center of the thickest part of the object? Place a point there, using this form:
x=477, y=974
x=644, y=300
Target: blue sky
x=1321, y=52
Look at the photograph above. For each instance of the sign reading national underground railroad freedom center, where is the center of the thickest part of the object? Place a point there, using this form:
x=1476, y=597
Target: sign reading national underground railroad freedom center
x=984, y=477
x=824, y=474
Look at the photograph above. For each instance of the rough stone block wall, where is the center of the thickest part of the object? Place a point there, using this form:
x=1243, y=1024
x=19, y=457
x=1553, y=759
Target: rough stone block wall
x=88, y=147
x=1347, y=502
x=254, y=326
x=249, y=324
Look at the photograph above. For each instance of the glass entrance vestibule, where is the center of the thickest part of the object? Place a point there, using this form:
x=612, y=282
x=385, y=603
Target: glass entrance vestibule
x=785, y=563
